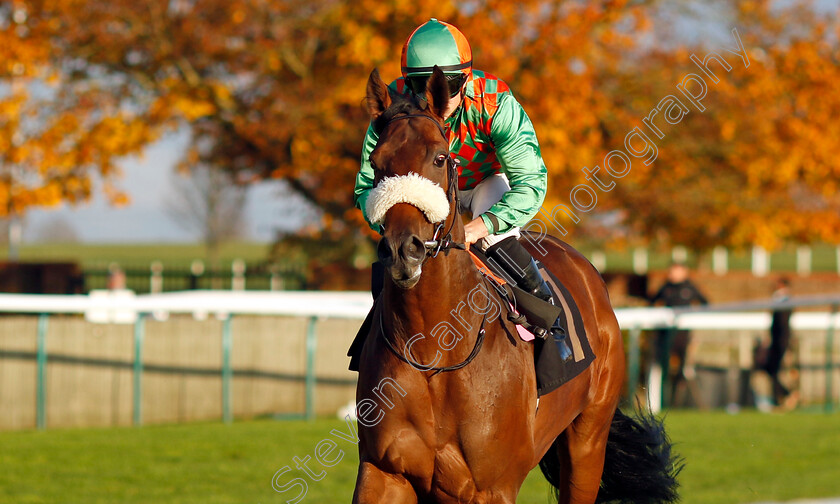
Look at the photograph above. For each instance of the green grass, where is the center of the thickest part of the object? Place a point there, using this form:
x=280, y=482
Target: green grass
x=98, y=255
x=729, y=460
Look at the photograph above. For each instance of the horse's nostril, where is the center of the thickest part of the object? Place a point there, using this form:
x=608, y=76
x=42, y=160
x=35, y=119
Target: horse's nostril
x=383, y=250
x=413, y=249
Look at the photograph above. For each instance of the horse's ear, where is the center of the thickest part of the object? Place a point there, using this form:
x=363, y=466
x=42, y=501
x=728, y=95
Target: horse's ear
x=437, y=92
x=378, y=97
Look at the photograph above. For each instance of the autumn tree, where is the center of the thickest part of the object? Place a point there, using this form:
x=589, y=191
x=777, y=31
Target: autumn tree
x=274, y=90
x=755, y=165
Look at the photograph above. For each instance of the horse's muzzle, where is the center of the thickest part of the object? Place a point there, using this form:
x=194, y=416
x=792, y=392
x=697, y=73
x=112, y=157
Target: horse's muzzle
x=403, y=258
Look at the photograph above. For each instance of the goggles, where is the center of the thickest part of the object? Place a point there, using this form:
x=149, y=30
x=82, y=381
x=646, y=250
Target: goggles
x=417, y=83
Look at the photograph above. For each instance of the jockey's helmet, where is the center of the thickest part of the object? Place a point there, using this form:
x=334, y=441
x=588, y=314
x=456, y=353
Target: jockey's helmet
x=436, y=43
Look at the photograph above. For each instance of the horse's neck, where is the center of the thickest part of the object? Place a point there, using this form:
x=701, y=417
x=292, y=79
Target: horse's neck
x=439, y=308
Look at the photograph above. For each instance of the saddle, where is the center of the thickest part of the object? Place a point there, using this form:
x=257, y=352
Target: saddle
x=555, y=324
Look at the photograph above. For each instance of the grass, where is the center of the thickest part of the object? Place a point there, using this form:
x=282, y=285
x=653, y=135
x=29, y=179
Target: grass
x=729, y=459
x=99, y=255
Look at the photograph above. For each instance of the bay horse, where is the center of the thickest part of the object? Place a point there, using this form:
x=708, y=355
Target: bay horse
x=451, y=415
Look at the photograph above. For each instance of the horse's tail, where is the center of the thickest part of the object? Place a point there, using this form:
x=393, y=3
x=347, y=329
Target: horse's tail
x=639, y=467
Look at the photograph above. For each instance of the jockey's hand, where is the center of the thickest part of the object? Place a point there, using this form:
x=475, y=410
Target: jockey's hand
x=474, y=231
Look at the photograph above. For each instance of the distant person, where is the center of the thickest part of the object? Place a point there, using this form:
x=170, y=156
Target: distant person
x=678, y=291
x=780, y=333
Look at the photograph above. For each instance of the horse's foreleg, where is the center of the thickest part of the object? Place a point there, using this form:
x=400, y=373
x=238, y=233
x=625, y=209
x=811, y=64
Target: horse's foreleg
x=376, y=486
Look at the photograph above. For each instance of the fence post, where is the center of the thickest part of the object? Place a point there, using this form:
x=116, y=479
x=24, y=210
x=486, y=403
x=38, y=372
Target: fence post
x=227, y=371
x=311, y=346
x=599, y=260
x=829, y=360
x=41, y=391
x=803, y=260
x=679, y=254
x=276, y=282
x=139, y=333
x=237, y=283
x=156, y=281
x=720, y=260
x=760, y=261
x=640, y=261
x=633, y=365
x=196, y=270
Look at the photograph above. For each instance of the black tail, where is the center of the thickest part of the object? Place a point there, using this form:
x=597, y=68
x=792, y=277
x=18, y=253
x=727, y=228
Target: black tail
x=639, y=467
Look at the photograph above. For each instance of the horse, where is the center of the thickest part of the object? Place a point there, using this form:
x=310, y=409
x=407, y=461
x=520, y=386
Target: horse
x=447, y=401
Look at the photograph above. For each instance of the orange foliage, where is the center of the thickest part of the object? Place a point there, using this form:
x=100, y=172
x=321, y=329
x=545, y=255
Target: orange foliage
x=274, y=89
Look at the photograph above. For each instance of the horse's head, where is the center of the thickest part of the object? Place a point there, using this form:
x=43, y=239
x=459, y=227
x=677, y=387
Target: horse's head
x=415, y=178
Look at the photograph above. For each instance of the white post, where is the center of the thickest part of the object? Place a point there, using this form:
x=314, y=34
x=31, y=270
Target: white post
x=237, y=283
x=640, y=261
x=196, y=270
x=655, y=388
x=760, y=261
x=276, y=282
x=679, y=254
x=15, y=238
x=156, y=281
x=599, y=260
x=720, y=260
x=803, y=260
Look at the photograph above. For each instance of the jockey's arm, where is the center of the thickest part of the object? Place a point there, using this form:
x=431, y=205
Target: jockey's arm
x=364, y=179
x=518, y=152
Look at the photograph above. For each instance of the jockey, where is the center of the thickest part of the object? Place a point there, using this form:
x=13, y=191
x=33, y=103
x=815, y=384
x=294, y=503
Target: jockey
x=501, y=177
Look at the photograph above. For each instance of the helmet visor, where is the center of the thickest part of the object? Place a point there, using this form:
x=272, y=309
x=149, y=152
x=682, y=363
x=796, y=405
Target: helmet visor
x=417, y=83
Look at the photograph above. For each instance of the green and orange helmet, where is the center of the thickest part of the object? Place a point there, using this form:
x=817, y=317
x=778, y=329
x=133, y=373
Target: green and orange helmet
x=436, y=43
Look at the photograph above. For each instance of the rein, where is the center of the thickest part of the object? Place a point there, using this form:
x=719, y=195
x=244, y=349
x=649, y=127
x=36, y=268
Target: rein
x=479, y=342
x=442, y=241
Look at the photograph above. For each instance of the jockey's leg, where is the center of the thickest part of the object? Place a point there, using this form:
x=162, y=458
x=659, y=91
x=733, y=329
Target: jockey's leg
x=516, y=261
x=505, y=248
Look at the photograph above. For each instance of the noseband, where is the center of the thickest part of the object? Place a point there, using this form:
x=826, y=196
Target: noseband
x=440, y=240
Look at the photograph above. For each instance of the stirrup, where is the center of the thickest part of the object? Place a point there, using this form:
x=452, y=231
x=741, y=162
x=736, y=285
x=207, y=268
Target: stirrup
x=562, y=341
x=558, y=335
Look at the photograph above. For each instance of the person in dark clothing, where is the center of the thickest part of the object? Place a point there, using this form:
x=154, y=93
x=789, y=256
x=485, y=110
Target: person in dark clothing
x=670, y=344
x=779, y=340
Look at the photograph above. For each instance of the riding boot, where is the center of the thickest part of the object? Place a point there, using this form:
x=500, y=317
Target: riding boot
x=519, y=264
x=533, y=283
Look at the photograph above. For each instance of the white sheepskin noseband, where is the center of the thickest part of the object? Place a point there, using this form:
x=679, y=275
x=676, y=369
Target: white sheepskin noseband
x=413, y=189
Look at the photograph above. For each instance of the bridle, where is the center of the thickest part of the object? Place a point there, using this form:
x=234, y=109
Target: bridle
x=440, y=240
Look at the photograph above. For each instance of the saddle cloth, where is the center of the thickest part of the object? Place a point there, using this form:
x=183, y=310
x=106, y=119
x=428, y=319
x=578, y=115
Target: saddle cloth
x=551, y=371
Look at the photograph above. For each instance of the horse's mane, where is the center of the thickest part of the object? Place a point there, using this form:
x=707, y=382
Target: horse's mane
x=400, y=104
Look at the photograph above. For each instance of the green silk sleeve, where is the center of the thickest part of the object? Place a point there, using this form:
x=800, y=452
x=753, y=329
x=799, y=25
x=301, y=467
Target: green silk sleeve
x=518, y=152
x=364, y=179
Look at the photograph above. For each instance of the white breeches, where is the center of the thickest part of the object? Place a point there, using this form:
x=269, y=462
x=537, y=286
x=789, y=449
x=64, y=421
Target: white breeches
x=487, y=193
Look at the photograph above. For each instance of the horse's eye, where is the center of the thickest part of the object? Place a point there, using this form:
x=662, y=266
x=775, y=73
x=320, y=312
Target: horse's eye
x=440, y=159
